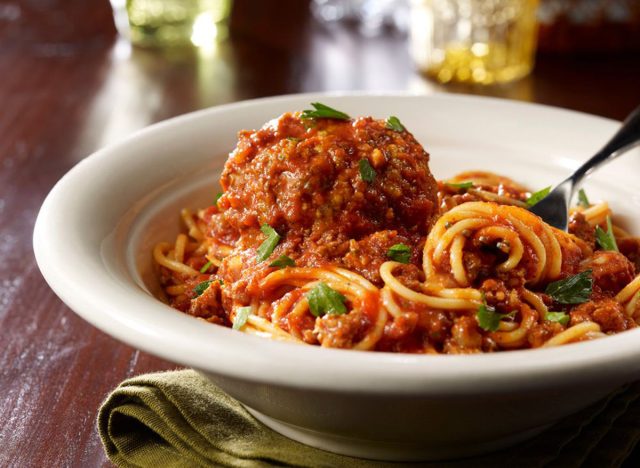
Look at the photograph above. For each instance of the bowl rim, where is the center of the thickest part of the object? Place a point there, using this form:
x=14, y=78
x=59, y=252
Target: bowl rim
x=313, y=367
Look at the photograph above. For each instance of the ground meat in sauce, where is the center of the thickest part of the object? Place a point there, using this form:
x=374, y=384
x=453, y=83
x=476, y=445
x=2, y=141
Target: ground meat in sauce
x=630, y=248
x=580, y=227
x=341, y=331
x=465, y=337
x=498, y=295
x=607, y=313
x=366, y=256
x=416, y=330
x=208, y=304
x=611, y=271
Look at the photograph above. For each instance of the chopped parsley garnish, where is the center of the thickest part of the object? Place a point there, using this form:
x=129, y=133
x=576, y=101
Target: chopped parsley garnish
x=217, y=197
x=283, y=261
x=242, y=314
x=367, y=172
x=461, y=185
x=575, y=289
x=488, y=318
x=399, y=253
x=606, y=239
x=206, y=266
x=394, y=123
x=321, y=111
x=266, y=248
x=201, y=287
x=560, y=317
x=538, y=196
x=582, y=199
x=325, y=300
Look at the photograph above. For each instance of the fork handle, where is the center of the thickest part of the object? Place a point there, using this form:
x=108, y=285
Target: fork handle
x=625, y=138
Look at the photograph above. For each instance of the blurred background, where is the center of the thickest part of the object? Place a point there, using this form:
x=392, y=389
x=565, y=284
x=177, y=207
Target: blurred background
x=137, y=61
x=76, y=75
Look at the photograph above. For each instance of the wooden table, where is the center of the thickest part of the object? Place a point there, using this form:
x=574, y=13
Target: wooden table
x=68, y=86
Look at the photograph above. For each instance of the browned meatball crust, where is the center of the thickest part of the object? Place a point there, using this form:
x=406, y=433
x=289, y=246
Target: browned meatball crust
x=305, y=176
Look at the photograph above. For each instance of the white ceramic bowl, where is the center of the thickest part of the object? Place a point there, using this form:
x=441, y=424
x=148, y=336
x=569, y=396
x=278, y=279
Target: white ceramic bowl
x=96, y=228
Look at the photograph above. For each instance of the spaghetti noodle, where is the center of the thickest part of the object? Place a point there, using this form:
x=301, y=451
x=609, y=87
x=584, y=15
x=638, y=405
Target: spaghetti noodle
x=332, y=232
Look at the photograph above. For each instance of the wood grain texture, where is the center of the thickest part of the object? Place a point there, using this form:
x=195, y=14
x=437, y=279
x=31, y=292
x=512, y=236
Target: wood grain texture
x=68, y=86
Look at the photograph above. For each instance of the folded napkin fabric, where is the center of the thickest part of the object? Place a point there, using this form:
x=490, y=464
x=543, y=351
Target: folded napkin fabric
x=180, y=419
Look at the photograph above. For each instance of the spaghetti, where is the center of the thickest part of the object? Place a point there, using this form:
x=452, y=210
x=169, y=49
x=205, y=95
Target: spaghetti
x=332, y=232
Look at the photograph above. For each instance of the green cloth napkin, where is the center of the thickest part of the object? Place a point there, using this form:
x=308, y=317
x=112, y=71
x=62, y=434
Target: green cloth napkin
x=180, y=419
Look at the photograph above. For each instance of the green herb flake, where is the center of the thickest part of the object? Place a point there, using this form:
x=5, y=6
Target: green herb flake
x=206, y=266
x=582, y=199
x=321, y=111
x=488, y=318
x=325, y=300
x=367, y=172
x=459, y=186
x=560, y=317
x=399, y=253
x=538, y=196
x=283, y=261
x=242, y=314
x=266, y=248
x=201, y=287
x=394, y=124
x=606, y=239
x=217, y=197
x=575, y=289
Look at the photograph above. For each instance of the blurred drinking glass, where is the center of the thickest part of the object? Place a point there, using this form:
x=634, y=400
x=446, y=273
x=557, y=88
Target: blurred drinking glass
x=160, y=23
x=372, y=16
x=474, y=41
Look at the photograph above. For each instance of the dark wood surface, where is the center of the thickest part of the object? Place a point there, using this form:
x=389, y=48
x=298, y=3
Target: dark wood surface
x=68, y=86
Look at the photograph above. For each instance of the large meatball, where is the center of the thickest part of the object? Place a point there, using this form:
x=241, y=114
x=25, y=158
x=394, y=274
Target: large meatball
x=312, y=179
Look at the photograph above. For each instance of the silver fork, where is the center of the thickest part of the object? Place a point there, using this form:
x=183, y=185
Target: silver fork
x=554, y=208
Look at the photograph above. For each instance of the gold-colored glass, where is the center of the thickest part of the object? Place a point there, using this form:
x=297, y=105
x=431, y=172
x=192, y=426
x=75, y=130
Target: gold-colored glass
x=176, y=22
x=474, y=41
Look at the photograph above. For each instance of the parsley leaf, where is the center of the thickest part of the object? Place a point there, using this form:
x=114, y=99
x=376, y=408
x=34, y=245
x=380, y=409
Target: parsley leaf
x=606, y=239
x=206, y=266
x=283, y=261
x=538, y=196
x=560, y=317
x=242, y=314
x=582, y=199
x=488, y=318
x=325, y=300
x=321, y=111
x=400, y=253
x=217, y=197
x=201, y=287
x=266, y=248
x=367, y=172
x=575, y=289
x=394, y=123
x=461, y=185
